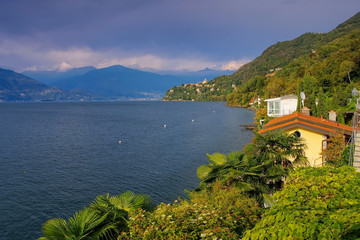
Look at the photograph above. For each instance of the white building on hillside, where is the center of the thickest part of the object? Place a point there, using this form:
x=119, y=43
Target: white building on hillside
x=281, y=106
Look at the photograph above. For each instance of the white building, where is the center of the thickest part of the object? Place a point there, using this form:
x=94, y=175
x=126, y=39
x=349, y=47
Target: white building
x=281, y=106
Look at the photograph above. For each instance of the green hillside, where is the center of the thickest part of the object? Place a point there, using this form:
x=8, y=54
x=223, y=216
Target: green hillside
x=250, y=78
x=333, y=68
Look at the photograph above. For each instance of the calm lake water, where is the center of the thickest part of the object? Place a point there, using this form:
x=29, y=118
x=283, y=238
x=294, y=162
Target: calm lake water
x=57, y=157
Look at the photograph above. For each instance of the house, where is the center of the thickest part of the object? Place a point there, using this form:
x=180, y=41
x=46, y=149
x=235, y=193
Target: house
x=281, y=106
x=313, y=130
x=255, y=101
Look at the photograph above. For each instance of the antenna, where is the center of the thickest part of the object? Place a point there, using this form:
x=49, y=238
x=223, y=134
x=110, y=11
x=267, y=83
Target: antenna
x=302, y=95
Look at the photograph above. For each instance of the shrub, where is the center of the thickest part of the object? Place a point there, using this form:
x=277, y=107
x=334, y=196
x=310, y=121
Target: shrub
x=210, y=214
x=316, y=203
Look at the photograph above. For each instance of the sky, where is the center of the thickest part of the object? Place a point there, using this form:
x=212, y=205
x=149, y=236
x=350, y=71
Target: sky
x=156, y=35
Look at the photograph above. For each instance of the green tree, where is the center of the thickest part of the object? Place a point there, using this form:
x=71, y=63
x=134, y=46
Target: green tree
x=346, y=68
x=234, y=169
x=103, y=219
x=312, y=105
x=332, y=154
x=261, y=168
x=85, y=224
x=308, y=87
x=299, y=102
x=316, y=203
x=322, y=108
x=116, y=208
x=278, y=153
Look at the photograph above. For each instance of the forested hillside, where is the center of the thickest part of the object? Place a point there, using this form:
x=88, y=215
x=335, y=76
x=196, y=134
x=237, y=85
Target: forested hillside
x=321, y=58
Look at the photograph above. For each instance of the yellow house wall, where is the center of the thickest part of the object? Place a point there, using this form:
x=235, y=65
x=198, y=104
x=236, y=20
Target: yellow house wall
x=313, y=143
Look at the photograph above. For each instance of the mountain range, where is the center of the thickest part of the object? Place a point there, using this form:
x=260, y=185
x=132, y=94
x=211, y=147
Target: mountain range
x=18, y=87
x=119, y=82
x=331, y=59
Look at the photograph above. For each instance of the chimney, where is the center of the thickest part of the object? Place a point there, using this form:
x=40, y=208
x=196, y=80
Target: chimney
x=332, y=115
x=305, y=111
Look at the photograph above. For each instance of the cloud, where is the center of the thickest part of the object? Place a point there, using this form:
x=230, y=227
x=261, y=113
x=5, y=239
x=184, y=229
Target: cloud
x=234, y=65
x=32, y=56
x=158, y=34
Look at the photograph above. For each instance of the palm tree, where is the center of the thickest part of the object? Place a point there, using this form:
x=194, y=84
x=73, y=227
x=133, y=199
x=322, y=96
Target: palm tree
x=116, y=208
x=234, y=169
x=104, y=219
x=85, y=224
x=258, y=171
x=279, y=153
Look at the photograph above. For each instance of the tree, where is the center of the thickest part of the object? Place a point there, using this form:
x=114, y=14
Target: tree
x=322, y=108
x=316, y=203
x=332, y=154
x=260, y=169
x=312, y=105
x=116, y=208
x=85, y=224
x=103, y=219
x=278, y=153
x=308, y=87
x=299, y=102
x=346, y=67
x=276, y=87
x=234, y=169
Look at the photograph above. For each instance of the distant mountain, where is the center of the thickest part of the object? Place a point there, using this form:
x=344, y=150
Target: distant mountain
x=18, y=87
x=119, y=82
x=48, y=77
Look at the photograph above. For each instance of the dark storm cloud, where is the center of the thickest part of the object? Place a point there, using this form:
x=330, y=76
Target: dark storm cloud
x=205, y=29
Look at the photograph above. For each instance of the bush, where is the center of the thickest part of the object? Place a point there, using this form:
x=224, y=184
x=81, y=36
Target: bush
x=316, y=203
x=210, y=214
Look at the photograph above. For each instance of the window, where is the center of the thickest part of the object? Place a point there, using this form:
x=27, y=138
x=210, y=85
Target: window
x=274, y=108
x=297, y=134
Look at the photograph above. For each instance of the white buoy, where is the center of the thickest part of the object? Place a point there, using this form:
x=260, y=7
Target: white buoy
x=120, y=141
x=192, y=120
x=164, y=125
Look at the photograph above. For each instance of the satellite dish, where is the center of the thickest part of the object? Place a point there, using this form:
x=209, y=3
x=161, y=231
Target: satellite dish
x=302, y=95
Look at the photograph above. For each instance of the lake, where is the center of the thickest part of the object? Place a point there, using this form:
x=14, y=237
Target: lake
x=57, y=157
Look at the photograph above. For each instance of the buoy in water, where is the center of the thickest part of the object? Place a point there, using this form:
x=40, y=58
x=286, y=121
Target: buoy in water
x=192, y=120
x=120, y=141
x=164, y=125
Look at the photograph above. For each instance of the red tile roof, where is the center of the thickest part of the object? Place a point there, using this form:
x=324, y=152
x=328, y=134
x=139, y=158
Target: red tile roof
x=299, y=119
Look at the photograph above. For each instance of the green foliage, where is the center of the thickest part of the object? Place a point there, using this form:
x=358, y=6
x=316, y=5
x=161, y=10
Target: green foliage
x=85, y=224
x=214, y=90
x=330, y=61
x=103, y=219
x=260, y=169
x=334, y=150
x=234, y=169
x=216, y=213
x=278, y=153
x=345, y=156
x=316, y=203
x=322, y=108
